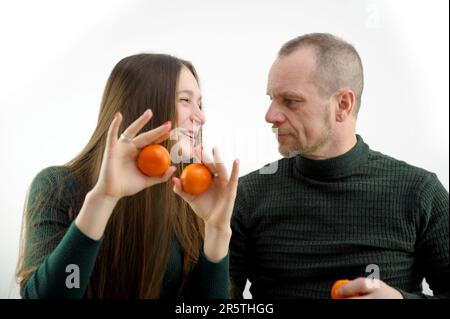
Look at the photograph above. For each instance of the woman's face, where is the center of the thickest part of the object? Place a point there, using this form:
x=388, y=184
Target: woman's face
x=190, y=117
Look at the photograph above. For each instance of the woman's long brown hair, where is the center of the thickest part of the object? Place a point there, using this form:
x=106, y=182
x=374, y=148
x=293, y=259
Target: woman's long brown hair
x=135, y=249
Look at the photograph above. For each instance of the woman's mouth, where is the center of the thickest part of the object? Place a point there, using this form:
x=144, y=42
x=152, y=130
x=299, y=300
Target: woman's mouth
x=189, y=135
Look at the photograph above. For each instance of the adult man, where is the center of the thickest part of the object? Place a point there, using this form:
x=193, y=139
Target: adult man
x=334, y=208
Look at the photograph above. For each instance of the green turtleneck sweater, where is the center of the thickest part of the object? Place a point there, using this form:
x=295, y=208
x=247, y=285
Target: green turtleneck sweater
x=316, y=221
x=54, y=242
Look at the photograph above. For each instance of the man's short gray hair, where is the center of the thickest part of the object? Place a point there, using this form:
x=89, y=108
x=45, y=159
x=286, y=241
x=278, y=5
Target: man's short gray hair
x=338, y=64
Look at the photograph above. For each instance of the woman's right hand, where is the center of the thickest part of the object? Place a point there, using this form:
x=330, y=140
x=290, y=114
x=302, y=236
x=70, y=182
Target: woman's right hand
x=119, y=175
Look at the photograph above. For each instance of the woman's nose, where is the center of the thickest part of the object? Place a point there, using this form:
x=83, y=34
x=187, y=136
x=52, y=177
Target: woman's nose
x=197, y=115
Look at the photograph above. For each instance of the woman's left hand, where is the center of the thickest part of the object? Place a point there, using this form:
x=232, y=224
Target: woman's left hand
x=215, y=205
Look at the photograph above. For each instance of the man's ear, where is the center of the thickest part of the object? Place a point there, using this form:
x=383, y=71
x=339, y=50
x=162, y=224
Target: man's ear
x=345, y=103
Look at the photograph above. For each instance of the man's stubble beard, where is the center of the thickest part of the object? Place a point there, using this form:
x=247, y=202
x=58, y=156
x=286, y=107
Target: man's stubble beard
x=307, y=151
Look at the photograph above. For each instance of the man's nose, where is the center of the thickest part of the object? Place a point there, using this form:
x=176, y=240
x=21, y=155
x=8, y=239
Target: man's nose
x=273, y=115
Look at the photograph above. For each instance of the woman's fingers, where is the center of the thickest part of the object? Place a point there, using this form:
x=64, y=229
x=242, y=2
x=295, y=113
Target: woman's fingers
x=113, y=131
x=205, y=159
x=234, y=179
x=164, y=178
x=217, y=166
x=178, y=189
x=132, y=130
x=162, y=138
x=168, y=173
x=220, y=166
x=153, y=136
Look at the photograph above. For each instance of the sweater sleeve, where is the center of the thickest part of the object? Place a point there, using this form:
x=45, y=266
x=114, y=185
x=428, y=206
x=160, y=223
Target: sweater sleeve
x=240, y=251
x=209, y=280
x=62, y=256
x=432, y=246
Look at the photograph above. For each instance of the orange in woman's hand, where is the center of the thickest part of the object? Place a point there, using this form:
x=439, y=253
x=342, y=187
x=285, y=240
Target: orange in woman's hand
x=195, y=179
x=335, y=288
x=154, y=160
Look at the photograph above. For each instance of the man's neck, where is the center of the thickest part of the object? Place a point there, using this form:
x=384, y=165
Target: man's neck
x=336, y=147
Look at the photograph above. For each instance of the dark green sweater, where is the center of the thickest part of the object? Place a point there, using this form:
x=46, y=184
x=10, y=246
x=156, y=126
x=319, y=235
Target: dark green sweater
x=61, y=244
x=315, y=221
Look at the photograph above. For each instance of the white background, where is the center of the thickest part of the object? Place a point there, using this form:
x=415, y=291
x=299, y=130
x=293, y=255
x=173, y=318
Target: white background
x=55, y=58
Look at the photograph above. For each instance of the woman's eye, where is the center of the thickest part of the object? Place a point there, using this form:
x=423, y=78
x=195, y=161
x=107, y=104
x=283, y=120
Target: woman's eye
x=185, y=100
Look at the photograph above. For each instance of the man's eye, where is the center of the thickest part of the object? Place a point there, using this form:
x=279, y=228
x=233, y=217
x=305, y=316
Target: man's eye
x=291, y=103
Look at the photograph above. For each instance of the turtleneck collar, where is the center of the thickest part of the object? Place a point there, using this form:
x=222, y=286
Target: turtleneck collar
x=335, y=167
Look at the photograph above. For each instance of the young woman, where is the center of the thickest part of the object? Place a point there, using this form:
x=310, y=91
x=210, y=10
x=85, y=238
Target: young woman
x=99, y=228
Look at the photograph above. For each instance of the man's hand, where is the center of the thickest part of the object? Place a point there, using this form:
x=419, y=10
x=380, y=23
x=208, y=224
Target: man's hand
x=365, y=288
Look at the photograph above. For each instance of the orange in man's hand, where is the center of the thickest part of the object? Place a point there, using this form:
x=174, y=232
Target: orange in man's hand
x=335, y=288
x=154, y=160
x=195, y=178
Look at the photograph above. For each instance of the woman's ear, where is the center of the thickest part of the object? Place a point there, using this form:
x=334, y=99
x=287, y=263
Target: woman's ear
x=345, y=103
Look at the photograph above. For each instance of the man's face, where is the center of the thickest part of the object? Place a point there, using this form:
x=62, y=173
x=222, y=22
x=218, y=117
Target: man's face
x=301, y=114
